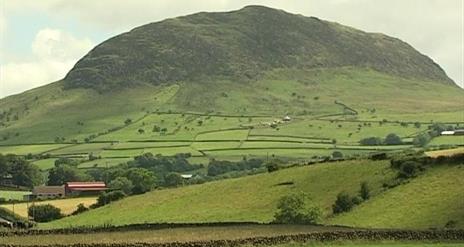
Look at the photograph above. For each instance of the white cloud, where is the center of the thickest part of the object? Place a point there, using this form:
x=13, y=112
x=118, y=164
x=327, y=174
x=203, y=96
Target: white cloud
x=54, y=53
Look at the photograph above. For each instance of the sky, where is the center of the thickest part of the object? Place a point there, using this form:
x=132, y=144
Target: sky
x=41, y=40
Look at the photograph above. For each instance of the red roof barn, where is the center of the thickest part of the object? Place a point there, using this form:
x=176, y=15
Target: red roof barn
x=79, y=188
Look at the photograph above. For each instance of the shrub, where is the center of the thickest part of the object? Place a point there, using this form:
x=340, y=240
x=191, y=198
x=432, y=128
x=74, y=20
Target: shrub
x=409, y=169
x=106, y=198
x=272, y=167
x=123, y=184
x=337, y=155
x=365, y=191
x=80, y=209
x=371, y=141
x=344, y=203
x=297, y=209
x=393, y=139
x=173, y=179
x=44, y=213
x=422, y=140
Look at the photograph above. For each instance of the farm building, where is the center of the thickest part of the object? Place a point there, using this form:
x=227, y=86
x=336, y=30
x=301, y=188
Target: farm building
x=84, y=188
x=287, y=119
x=452, y=132
x=48, y=192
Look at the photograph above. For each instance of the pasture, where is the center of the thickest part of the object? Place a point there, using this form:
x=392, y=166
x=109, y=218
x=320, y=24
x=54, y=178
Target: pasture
x=13, y=195
x=250, y=198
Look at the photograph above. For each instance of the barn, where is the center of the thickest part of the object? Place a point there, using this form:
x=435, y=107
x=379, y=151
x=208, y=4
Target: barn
x=84, y=188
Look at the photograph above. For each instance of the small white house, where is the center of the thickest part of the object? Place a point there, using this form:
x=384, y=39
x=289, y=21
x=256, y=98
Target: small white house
x=287, y=118
x=447, y=133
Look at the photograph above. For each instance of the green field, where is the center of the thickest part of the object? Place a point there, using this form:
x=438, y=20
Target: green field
x=13, y=195
x=251, y=198
x=431, y=200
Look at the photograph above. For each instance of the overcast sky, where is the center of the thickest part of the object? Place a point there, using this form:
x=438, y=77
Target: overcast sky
x=41, y=40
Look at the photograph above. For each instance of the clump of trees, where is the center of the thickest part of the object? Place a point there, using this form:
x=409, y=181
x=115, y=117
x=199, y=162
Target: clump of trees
x=218, y=167
x=22, y=172
x=44, y=213
x=297, y=208
x=390, y=139
x=345, y=201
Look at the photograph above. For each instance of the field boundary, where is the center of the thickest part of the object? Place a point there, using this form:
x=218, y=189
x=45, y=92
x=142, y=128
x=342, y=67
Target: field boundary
x=323, y=236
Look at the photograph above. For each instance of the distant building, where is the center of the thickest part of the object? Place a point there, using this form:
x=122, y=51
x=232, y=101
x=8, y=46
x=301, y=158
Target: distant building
x=186, y=176
x=287, y=118
x=459, y=132
x=48, y=192
x=84, y=188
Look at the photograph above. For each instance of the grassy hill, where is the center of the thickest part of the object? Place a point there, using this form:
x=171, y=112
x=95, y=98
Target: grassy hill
x=252, y=198
x=429, y=201
x=421, y=203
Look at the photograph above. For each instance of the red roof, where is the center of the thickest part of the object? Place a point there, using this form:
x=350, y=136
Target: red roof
x=88, y=189
x=86, y=185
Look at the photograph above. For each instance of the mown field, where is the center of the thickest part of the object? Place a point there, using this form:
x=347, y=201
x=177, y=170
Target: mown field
x=12, y=195
x=67, y=206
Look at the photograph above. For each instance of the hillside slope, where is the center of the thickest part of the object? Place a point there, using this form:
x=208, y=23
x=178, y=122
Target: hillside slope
x=431, y=200
x=252, y=198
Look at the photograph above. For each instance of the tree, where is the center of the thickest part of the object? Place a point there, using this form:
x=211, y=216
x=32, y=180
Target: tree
x=142, y=179
x=337, y=155
x=141, y=131
x=44, y=213
x=417, y=125
x=297, y=209
x=123, y=184
x=344, y=203
x=365, y=191
x=422, y=140
x=128, y=121
x=106, y=198
x=393, y=139
x=62, y=174
x=371, y=141
x=23, y=172
x=173, y=179
x=80, y=209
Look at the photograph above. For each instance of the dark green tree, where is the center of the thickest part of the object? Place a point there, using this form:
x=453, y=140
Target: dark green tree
x=365, y=191
x=297, y=208
x=44, y=213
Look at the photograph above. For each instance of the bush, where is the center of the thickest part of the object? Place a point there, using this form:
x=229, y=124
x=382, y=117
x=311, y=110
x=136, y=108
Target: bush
x=344, y=203
x=272, y=167
x=80, y=209
x=44, y=213
x=393, y=139
x=296, y=209
x=337, y=155
x=422, y=140
x=371, y=141
x=365, y=191
x=106, y=198
x=122, y=184
x=409, y=169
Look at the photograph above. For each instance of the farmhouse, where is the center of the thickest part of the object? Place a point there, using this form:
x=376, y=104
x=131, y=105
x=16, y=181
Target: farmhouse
x=453, y=132
x=84, y=188
x=48, y=192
